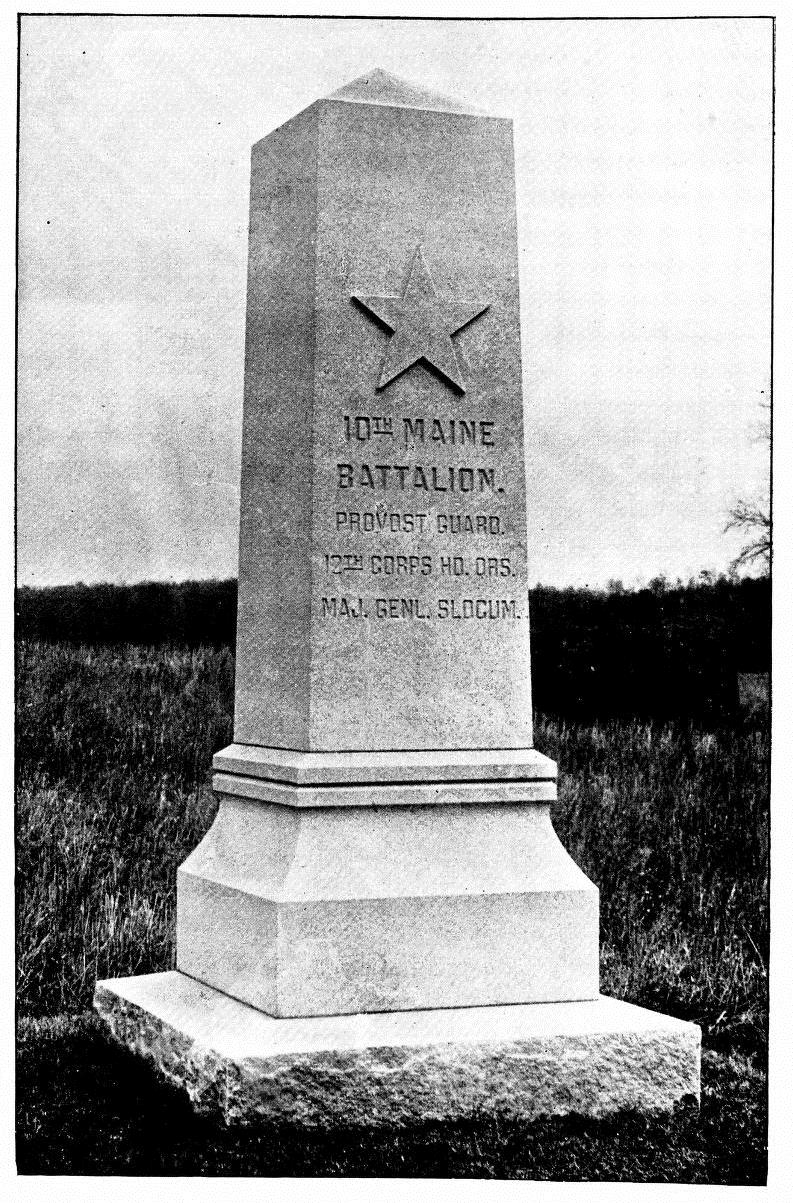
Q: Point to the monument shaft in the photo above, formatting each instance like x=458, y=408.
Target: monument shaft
x=383, y=592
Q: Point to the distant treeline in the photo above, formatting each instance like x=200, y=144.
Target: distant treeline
x=659, y=652
x=192, y=613
x=662, y=651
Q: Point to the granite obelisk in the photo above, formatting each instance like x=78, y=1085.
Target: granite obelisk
x=382, y=872
x=383, y=578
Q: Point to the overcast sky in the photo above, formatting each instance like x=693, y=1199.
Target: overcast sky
x=644, y=200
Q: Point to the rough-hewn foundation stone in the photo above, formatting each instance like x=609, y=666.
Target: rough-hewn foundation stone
x=546, y=1059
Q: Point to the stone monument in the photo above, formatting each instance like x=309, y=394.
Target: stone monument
x=382, y=923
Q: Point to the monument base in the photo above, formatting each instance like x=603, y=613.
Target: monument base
x=520, y=1061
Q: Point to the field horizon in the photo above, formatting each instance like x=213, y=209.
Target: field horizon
x=665, y=651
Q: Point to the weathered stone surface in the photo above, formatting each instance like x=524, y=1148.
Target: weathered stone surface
x=332, y=910
x=383, y=579
x=589, y=1058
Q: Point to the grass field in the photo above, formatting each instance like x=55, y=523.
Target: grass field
x=113, y=751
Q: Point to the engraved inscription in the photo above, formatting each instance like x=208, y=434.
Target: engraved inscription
x=398, y=522
x=477, y=607
x=343, y=607
x=430, y=478
x=381, y=520
x=400, y=537
x=390, y=608
x=448, y=432
x=453, y=432
x=361, y=428
x=395, y=564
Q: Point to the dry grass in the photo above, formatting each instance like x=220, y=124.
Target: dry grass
x=114, y=746
x=113, y=749
x=672, y=824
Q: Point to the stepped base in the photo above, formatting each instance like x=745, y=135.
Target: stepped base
x=522, y=1061
x=337, y=910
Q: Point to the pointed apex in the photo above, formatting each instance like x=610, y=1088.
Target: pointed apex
x=378, y=87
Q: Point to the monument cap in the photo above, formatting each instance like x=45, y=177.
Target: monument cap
x=380, y=87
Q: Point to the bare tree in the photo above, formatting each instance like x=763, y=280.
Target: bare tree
x=753, y=517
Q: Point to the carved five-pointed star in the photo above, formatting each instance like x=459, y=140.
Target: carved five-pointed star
x=423, y=324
